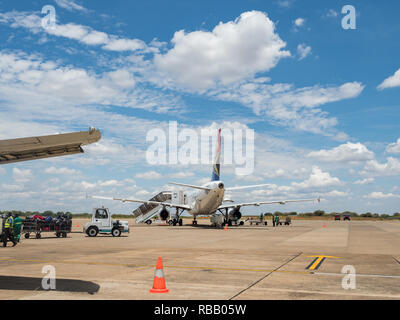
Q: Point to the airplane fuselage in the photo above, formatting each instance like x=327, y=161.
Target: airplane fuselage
x=206, y=202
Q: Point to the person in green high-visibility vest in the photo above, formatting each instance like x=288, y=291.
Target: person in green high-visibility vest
x=276, y=220
x=8, y=231
x=17, y=227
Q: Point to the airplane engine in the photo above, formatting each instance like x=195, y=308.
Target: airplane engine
x=235, y=214
x=164, y=214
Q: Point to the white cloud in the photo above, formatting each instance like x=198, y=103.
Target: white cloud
x=61, y=171
x=336, y=193
x=332, y=13
x=250, y=178
x=349, y=152
x=299, y=22
x=24, y=77
x=390, y=168
x=381, y=195
x=70, y=5
x=181, y=175
x=22, y=19
x=87, y=185
x=105, y=147
x=202, y=181
x=394, y=147
x=149, y=175
x=303, y=51
x=317, y=179
x=122, y=78
x=142, y=193
x=109, y=183
x=282, y=104
x=285, y=3
x=81, y=33
x=365, y=181
x=231, y=52
x=21, y=175
x=391, y=82
x=95, y=38
x=124, y=45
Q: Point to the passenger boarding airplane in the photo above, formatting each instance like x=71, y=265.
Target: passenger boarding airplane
x=207, y=199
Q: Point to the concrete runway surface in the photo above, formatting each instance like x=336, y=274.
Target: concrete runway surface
x=301, y=261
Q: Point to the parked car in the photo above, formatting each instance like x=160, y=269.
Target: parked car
x=337, y=217
x=346, y=217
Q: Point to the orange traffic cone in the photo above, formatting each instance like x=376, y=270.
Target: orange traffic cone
x=159, y=281
x=77, y=225
x=324, y=225
x=226, y=227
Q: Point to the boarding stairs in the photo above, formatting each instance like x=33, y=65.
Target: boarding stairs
x=148, y=210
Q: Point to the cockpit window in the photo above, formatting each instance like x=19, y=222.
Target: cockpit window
x=101, y=214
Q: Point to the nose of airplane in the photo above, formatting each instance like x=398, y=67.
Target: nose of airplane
x=221, y=185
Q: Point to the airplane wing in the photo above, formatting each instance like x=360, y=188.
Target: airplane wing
x=189, y=186
x=257, y=204
x=33, y=148
x=166, y=204
x=247, y=187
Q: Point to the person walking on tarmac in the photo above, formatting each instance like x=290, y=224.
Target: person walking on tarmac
x=17, y=227
x=277, y=220
x=273, y=220
x=8, y=231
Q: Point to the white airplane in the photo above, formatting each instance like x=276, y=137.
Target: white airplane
x=207, y=199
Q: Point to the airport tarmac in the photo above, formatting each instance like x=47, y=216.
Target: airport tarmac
x=301, y=261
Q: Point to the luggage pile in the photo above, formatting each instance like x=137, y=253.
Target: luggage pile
x=61, y=225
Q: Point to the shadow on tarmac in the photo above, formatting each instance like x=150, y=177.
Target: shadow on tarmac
x=35, y=284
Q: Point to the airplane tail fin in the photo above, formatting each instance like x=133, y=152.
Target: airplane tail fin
x=217, y=165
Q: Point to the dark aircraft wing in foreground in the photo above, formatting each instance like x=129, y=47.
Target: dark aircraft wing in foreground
x=17, y=150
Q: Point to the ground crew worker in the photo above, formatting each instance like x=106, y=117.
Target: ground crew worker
x=8, y=231
x=261, y=217
x=273, y=220
x=277, y=220
x=17, y=227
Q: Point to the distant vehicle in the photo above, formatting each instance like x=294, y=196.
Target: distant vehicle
x=256, y=221
x=102, y=223
x=217, y=220
x=346, y=217
x=287, y=222
x=337, y=217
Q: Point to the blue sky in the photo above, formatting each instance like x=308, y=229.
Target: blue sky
x=322, y=100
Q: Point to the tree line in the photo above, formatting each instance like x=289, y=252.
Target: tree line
x=322, y=213
x=317, y=213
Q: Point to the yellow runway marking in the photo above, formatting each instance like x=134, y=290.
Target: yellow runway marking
x=319, y=259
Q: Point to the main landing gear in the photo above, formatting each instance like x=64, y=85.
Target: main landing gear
x=177, y=219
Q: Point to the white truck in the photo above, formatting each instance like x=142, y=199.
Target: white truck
x=102, y=223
